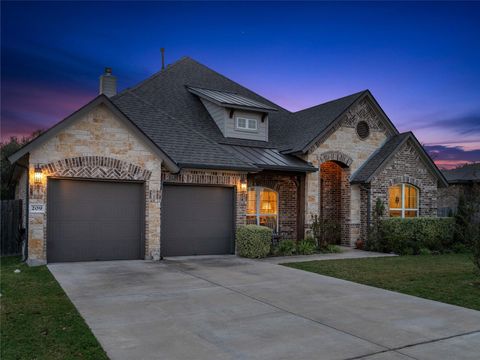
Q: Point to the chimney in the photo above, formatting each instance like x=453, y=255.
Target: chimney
x=162, y=50
x=108, y=83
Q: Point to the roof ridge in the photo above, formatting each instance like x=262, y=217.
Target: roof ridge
x=236, y=83
x=155, y=75
x=182, y=123
x=331, y=101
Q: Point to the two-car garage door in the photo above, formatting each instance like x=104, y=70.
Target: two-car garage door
x=104, y=220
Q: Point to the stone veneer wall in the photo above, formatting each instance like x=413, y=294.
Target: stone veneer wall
x=287, y=188
x=342, y=144
x=405, y=167
x=21, y=194
x=97, y=146
x=214, y=177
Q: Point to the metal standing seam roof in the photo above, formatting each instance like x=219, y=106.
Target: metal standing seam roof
x=269, y=159
x=229, y=99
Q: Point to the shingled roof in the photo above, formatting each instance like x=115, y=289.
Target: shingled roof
x=465, y=174
x=382, y=156
x=168, y=110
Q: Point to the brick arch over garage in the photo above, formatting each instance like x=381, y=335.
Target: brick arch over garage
x=96, y=167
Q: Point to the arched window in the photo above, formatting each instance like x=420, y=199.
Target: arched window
x=262, y=207
x=403, y=201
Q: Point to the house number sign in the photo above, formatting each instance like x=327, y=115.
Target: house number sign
x=37, y=208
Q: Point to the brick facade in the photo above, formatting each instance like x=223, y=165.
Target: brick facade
x=342, y=145
x=405, y=167
x=287, y=188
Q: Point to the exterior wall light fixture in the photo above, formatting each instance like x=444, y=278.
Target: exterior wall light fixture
x=38, y=175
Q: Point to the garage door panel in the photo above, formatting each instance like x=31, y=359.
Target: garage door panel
x=197, y=220
x=89, y=220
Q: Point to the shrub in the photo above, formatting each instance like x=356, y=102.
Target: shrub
x=286, y=247
x=306, y=247
x=253, y=241
x=331, y=249
x=424, y=251
x=476, y=248
x=408, y=236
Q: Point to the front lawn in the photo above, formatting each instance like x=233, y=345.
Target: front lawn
x=449, y=278
x=37, y=320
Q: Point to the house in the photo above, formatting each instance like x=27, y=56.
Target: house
x=462, y=181
x=174, y=164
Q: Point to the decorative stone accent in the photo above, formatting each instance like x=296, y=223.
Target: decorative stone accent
x=96, y=167
x=335, y=156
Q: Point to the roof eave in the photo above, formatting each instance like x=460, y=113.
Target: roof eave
x=364, y=93
x=100, y=99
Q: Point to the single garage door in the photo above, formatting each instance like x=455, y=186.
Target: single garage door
x=197, y=220
x=94, y=220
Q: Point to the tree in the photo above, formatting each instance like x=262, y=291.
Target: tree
x=7, y=148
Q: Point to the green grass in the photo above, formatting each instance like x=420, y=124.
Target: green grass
x=449, y=278
x=37, y=320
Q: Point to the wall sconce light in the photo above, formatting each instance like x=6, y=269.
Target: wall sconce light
x=38, y=175
x=243, y=186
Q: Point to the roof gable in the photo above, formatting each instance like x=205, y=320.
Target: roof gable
x=383, y=155
x=315, y=123
x=69, y=120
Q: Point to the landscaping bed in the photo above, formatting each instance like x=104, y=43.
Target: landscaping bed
x=449, y=278
x=38, y=321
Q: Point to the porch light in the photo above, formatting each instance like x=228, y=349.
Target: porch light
x=243, y=186
x=38, y=175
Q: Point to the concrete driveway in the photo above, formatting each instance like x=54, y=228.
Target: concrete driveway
x=232, y=308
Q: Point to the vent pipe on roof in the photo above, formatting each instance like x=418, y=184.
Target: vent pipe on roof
x=162, y=50
x=108, y=83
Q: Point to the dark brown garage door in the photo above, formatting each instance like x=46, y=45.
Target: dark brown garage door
x=94, y=220
x=197, y=220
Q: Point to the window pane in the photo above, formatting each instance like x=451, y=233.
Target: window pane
x=268, y=202
x=269, y=221
x=252, y=124
x=242, y=123
x=411, y=213
x=395, y=197
x=251, y=220
x=410, y=197
x=251, y=201
x=395, y=213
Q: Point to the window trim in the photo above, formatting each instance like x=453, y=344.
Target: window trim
x=247, y=121
x=257, y=215
x=402, y=209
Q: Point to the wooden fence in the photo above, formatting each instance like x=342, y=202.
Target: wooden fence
x=10, y=228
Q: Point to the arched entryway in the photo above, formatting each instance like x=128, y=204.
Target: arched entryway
x=335, y=201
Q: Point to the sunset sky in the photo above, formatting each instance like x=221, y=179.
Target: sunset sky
x=420, y=60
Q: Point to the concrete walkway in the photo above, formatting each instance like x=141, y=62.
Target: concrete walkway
x=347, y=253
x=232, y=308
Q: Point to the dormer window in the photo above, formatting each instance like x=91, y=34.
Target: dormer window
x=242, y=123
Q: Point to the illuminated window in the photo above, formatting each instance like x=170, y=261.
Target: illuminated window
x=262, y=207
x=403, y=201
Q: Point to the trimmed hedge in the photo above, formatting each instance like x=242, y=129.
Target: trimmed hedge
x=253, y=241
x=413, y=235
